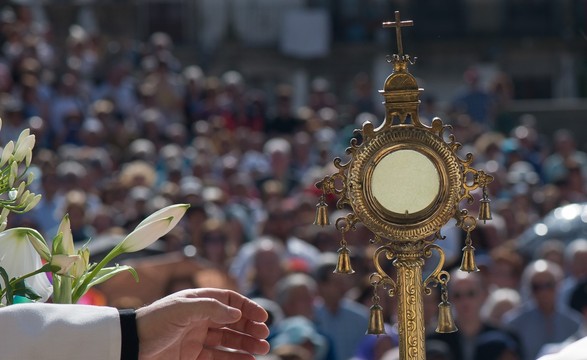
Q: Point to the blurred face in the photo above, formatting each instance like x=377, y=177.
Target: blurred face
x=268, y=268
x=301, y=302
x=502, y=274
x=467, y=297
x=543, y=288
x=579, y=265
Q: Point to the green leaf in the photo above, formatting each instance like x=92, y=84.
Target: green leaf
x=102, y=275
x=109, y=272
x=56, y=248
x=21, y=289
x=9, y=295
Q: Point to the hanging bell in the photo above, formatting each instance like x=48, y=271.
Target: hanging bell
x=468, y=263
x=321, y=214
x=376, y=326
x=446, y=323
x=343, y=265
x=484, y=210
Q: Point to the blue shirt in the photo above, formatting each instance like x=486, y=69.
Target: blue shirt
x=346, y=328
x=535, y=329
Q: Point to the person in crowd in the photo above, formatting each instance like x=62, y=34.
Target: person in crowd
x=468, y=293
x=343, y=320
x=577, y=302
x=565, y=152
x=540, y=320
x=499, y=302
x=576, y=265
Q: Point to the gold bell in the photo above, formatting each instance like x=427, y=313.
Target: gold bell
x=468, y=263
x=343, y=265
x=376, y=326
x=484, y=210
x=446, y=323
x=321, y=214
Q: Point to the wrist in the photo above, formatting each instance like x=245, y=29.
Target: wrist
x=129, y=336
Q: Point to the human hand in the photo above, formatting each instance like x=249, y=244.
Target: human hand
x=202, y=324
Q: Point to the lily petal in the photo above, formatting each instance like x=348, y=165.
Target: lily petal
x=24, y=145
x=67, y=241
x=65, y=262
x=145, y=235
x=176, y=211
x=7, y=152
x=39, y=243
x=19, y=257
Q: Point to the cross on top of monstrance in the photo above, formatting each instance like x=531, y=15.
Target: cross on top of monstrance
x=398, y=24
x=404, y=181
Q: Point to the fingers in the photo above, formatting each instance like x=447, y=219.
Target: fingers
x=223, y=348
x=234, y=340
x=250, y=309
x=222, y=354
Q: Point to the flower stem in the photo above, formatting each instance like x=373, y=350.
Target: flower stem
x=43, y=269
x=81, y=289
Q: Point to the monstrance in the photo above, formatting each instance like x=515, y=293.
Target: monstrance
x=404, y=181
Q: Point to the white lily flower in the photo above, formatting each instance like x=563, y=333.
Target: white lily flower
x=12, y=194
x=30, y=177
x=38, y=242
x=67, y=246
x=23, y=134
x=26, y=196
x=176, y=211
x=145, y=235
x=64, y=262
x=24, y=145
x=19, y=257
x=7, y=152
x=36, y=199
x=21, y=188
x=29, y=158
x=81, y=264
x=4, y=214
x=13, y=173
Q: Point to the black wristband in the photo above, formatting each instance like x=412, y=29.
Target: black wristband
x=130, y=338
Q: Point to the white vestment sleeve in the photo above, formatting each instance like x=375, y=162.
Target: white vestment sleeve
x=58, y=332
x=573, y=351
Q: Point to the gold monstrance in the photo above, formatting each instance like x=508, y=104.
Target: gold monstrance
x=404, y=181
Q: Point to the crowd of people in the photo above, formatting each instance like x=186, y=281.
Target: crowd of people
x=121, y=134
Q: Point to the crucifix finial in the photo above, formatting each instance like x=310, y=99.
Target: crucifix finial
x=398, y=24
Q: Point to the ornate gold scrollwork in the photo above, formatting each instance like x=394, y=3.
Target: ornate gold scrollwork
x=380, y=277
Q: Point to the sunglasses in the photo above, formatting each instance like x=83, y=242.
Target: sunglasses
x=536, y=287
x=469, y=294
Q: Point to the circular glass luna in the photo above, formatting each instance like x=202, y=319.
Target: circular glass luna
x=405, y=182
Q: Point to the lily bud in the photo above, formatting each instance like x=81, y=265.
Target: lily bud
x=176, y=211
x=13, y=174
x=64, y=262
x=67, y=246
x=7, y=152
x=24, y=146
x=39, y=243
x=80, y=266
x=35, y=200
x=145, y=235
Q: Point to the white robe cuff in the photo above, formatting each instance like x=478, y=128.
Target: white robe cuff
x=57, y=332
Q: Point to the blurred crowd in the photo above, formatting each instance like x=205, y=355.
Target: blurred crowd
x=121, y=134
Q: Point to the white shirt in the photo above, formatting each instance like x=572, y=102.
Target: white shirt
x=57, y=332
